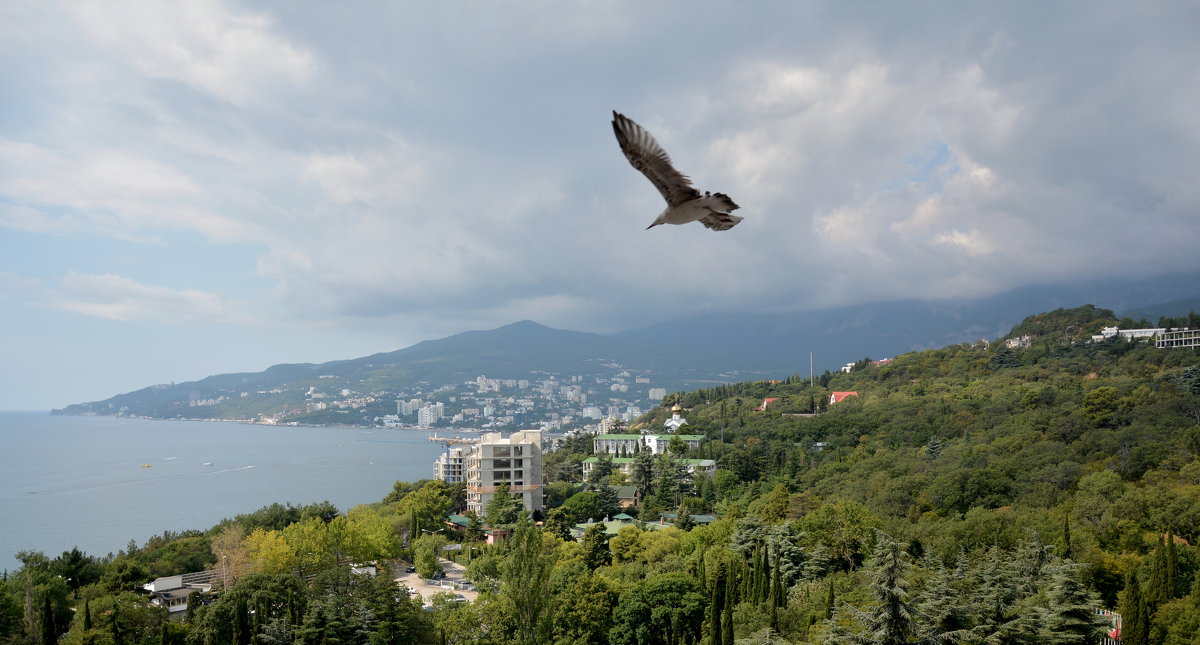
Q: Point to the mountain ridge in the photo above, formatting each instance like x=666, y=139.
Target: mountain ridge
x=718, y=347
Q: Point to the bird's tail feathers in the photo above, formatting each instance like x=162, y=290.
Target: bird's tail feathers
x=727, y=202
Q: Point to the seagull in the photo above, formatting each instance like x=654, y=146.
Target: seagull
x=684, y=203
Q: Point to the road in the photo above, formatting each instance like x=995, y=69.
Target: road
x=454, y=574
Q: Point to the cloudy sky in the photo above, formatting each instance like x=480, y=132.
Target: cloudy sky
x=188, y=188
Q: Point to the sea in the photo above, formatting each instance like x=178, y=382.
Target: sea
x=98, y=482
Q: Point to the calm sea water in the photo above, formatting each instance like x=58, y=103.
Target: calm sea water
x=79, y=481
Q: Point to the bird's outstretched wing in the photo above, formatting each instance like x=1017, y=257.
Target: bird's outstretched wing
x=644, y=153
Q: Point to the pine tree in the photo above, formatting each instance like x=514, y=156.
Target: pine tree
x=939, y=609
x=892, y=621
x=1071, y=619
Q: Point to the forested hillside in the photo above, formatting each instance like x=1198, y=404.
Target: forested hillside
x=972, y=494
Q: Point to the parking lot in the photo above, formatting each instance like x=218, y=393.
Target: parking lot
x=454, y=577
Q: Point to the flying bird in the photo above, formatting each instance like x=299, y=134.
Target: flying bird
x=684, y=203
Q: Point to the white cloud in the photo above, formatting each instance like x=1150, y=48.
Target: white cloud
x=234, y=55
x=119, y=298
x=104, y=190
x=467, y=168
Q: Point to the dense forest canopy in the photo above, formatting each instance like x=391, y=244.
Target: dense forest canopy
x=988, y=493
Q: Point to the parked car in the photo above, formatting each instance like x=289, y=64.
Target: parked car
x=410, y=569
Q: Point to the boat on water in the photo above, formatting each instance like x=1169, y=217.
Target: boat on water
x=147, y=466
x=207, y=463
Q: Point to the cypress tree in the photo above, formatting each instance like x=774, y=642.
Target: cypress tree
x=1156, y=592
x=829, y=601
x=164, y=636
x=1135, y=628
x=193, y=606
x=716, y=606
x=87, y=615
x=1066, y=535
x=49, y=634
x=1172, y=566
x=293, y=616
x=778, y=592
x=241, y=625
x=764, y=578
x=727, y=626
x=114, y=626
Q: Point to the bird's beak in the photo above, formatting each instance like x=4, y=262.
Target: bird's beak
x=652, y=226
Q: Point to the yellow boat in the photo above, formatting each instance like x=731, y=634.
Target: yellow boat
x=147, y=466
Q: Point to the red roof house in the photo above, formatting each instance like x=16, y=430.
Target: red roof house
x=839, y=396
x=765, y=403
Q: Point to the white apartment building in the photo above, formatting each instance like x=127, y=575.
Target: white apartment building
x=655, y=444
x=625, y=464
x=657, y=393
x=450, y=467
x=430, y=414
x=515, y=460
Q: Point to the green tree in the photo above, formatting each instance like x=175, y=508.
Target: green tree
x=663, y=609
x=474, y=532
x=716, y=605
x=844, y=528
x=502, y=508
x=1135, y=615
x=559, y=523
x=398, y=620
x=426, y=551
x=582, y=506
x=585, y=607
x=891, y=622
x=525, y=582
x=595, y=547
x=601, y=471
x=427, y=506
x=643, y=473
x=1071, y=618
